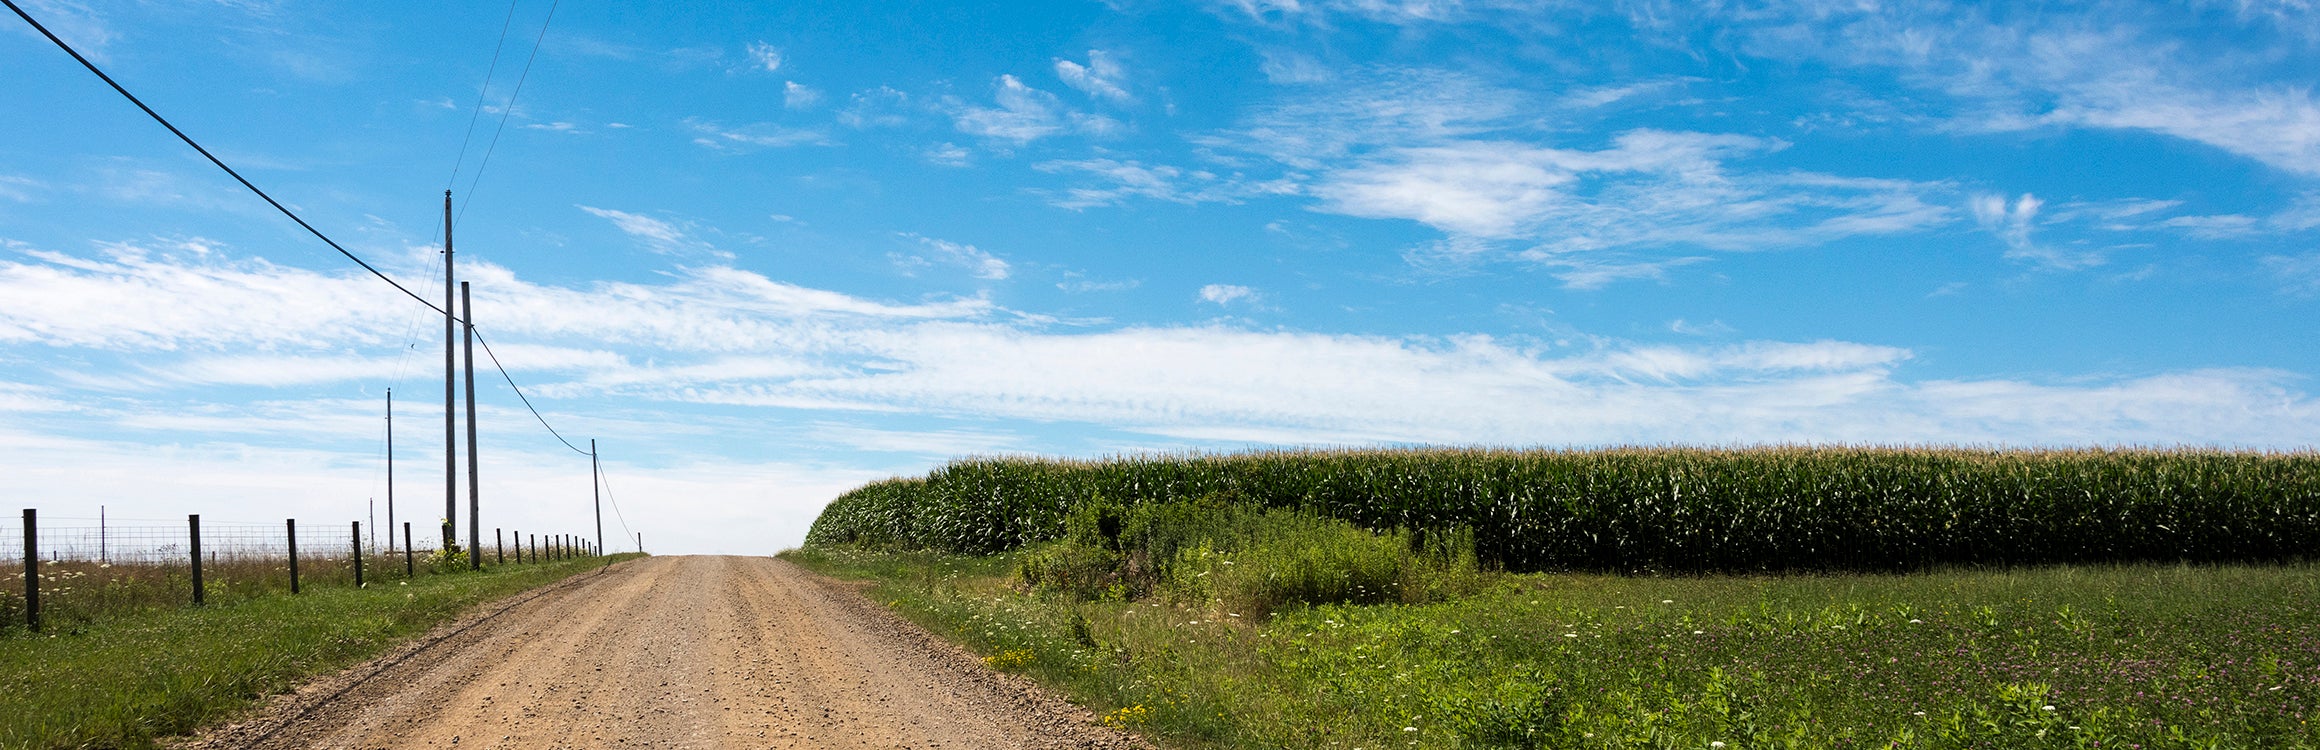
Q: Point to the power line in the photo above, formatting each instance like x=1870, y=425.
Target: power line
x=507, y=110
x=479, y=95
x=615, y=502
x=293, y=214
x=76, y=55
x=511, y=381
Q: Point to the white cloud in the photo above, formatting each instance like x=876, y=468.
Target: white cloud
x=881, y=107
x=796, y=95
x=1075, y=282
x=1025, y=114
x=1467, y=159
x=1226, y=294
x=1100, y=78
x=2099, y=68
x=765, y=56
x=754, y=136
x=77, y=24
x=948, y=154
x=1133, y=179
x=659, y=236
x=981, y=264
x=2012, y=223
x=2297, y=274
x=19, y=189
x=1288, y=68
x=559, y=127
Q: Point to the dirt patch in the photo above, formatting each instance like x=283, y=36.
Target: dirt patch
x=675, y=652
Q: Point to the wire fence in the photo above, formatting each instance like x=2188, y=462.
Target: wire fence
x=81, y=570
x=157, y=544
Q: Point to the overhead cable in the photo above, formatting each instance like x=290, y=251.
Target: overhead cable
x=510, y=108
x=615, y=502
x=479, y=96
x=76, y=55
x=511, y=381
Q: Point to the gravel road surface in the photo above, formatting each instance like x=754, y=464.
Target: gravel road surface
x=675, y=652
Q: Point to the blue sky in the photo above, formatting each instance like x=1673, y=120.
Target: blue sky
x=766, y=253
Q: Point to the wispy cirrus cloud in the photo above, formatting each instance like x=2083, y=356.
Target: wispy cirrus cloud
x=2013, y=221
x=932, y=252
x=754, y=136
x=1470, y=160
x=1123, y=180
x=796, y=95
x=2107, y=67
x=1102, y=77
x=657, y=235
x=1224, y=295
x=1023, y=114
x=20, y=189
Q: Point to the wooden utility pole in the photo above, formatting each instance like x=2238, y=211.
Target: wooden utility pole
x=390, y=472
x=474, y=489
x=595, y=490
x=450, y=390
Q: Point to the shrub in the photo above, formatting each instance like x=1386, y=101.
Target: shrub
x=1079, y=570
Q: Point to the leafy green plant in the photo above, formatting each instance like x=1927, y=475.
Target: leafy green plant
x=1521, y=713
x=450, y=559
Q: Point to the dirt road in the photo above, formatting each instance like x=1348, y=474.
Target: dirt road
x=676, y=652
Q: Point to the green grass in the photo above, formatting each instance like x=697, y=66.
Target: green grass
x=2127, y=656
x=144, y=673
x=1665, y=509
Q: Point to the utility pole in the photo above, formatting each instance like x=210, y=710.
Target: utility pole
x=450, y=388
x=474, y=490
x=390, y=476
x=595, y=490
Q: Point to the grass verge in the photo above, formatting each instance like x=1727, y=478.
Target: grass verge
x=2132, y=656
x=129, y=681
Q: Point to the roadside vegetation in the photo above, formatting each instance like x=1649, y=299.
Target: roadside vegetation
x=145, y=670
x=1237, y=619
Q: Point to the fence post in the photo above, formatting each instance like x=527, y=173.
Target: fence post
x=535, y=548
x=293, y=526
x=358, y=552
x=498, y=548
x=407, y=571
x=31, y=569
x=193, y=527
x=640, y=542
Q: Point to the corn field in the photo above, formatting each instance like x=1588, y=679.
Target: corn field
x=1666, y=509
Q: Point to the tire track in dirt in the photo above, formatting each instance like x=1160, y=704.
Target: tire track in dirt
x=676, y=652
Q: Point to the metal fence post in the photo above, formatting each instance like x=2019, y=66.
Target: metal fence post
x=407, y=570
x=293, y=527
x=535, y=548
x=498, y=548
x=31, y=570
x=358, y=552
x=193, y=528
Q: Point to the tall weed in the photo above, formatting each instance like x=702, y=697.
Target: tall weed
x=1246, y=559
